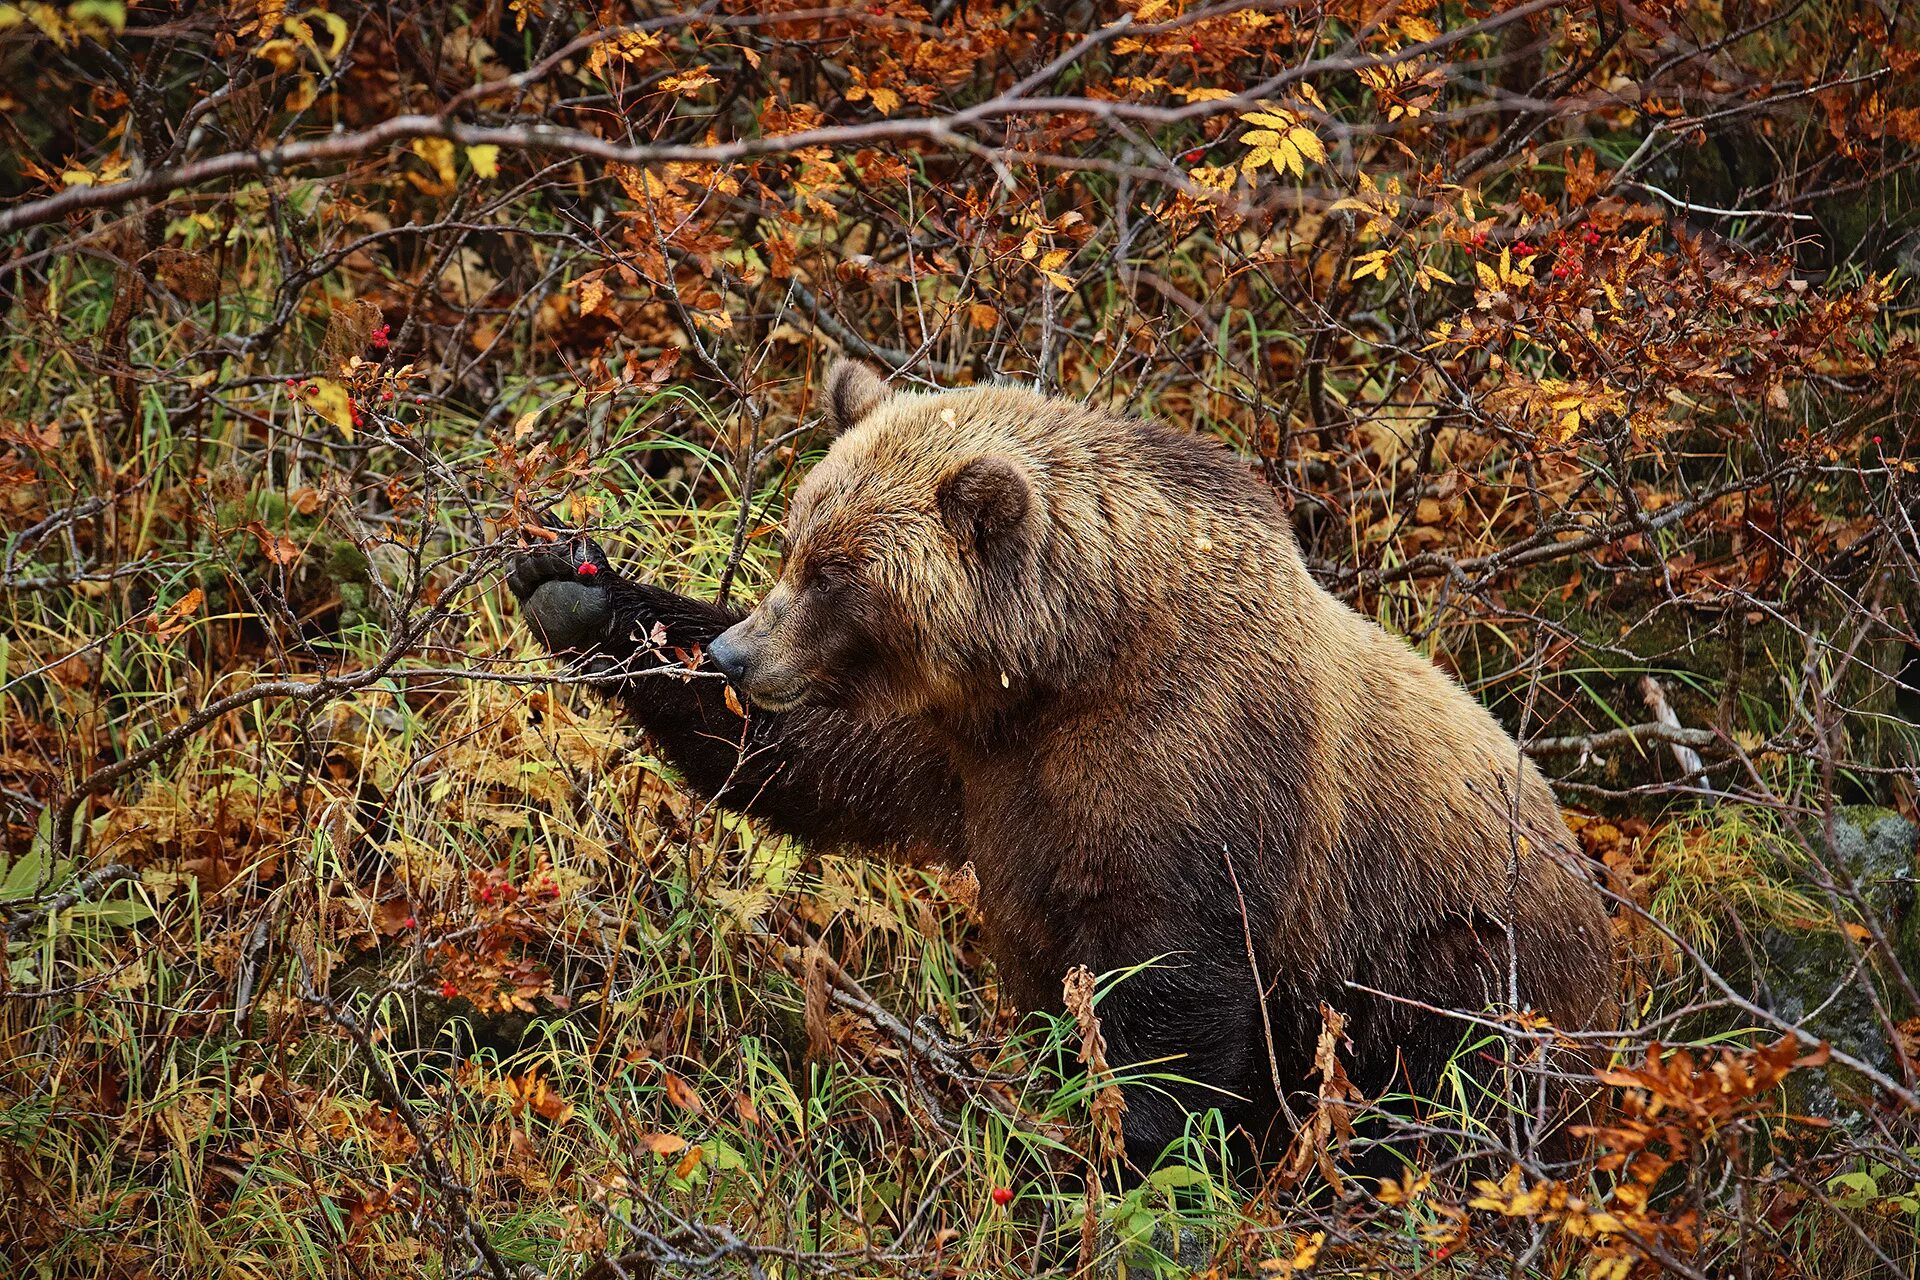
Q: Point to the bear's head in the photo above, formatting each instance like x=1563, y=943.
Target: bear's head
x=912, y=548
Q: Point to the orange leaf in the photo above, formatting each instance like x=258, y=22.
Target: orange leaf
x=663, y=1144
x=165, y=626
x=276, y=547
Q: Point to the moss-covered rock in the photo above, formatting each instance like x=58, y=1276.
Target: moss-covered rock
x=1809, y=975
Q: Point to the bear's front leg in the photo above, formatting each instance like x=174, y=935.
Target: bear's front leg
x=813, y=772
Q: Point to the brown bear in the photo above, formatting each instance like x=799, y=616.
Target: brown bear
x=1083, y=653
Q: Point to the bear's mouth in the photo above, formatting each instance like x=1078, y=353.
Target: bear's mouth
x=778, y=697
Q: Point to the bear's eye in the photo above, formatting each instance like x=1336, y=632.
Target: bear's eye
x=833, y=578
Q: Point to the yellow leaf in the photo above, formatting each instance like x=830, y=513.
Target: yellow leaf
x=1309, y=1251
x=305, y=92
x=437, y=152
x=330, y=400
x=1309, y=145
x=690, y=82
x=485, y=159
x=1288, y=157
x=1372, y=264
x=1260, y=138
x=1485, y=273
x=283, y=54
x=336, y=29
x=1278, y=119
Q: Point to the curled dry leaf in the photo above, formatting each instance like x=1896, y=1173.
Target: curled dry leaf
x=1108, y=1104
x=819, y=1003
x=1329, y=1129
x=177, y=617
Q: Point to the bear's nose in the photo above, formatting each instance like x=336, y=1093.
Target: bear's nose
x=728, y=653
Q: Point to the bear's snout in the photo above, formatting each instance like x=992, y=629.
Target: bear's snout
x=749, y=656
x=729, y=651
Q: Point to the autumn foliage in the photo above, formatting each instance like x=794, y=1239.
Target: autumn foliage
x=345, y=935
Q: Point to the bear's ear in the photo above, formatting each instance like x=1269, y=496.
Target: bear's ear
x=985, y=501
x=854, y=390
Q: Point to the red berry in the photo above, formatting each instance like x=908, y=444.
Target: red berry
x=448, y=989
x=1876, y=439
x=1560, y=270
x=410, y=923
x=1193, y=156
x=1003, y=1196
x=588, y=570
x=381, y=336
x=1522, y=248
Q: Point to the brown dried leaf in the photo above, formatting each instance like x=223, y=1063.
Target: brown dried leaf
x=1108, y=1105
x=278, y=548
x=819, y=1005
x=682, y=1095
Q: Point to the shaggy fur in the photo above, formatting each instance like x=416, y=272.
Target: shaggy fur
x=1084, y=654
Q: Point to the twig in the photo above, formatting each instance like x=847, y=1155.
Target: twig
x=82, y=888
